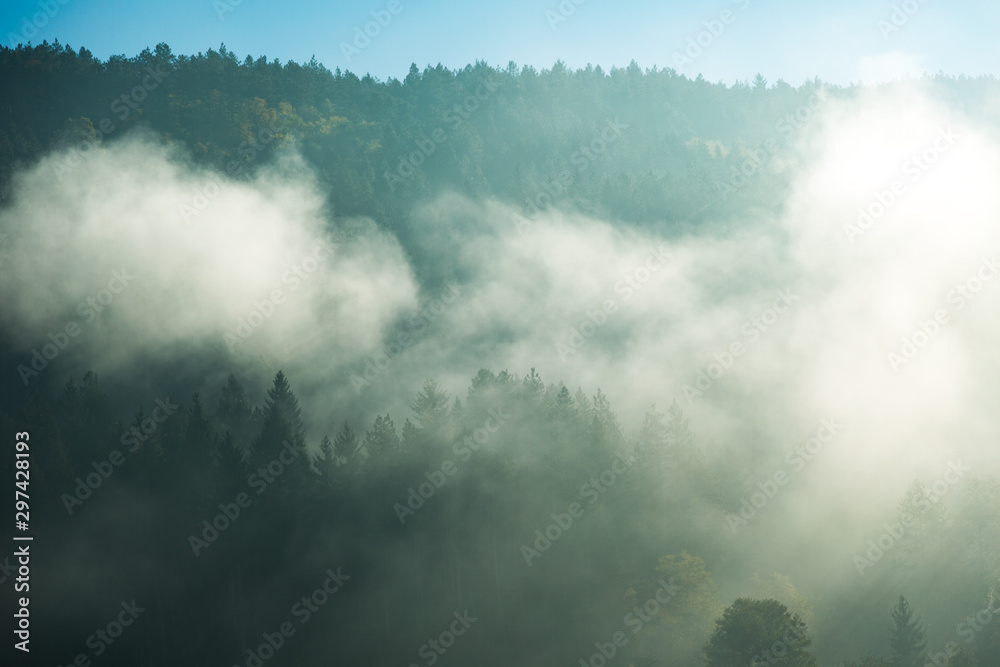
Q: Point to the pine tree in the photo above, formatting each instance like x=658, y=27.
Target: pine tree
x=533, y=387
x=654, y=443
x=230, y=465
x=584, y=408
x=680, y=436
x=906, y=637
x=605, y=423
x=345, y=446
x=430, y=406
x=234, y=411
x=480, y=394
x=432, y=425
x=326, y=461
x=564, y=410
x=198, y=443
x=411, y=435
x=282, y=429
x=381, y=442
x=457, y=411
x=929, y=516
x=85, y=410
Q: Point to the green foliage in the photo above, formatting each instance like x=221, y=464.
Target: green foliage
x=282, y=427
x=906, y=636
x=757, y=633
x=381, y=442
x=678, y=633
x=345, y=445
x=779, y=587
x=356, y=133
x=344, y=493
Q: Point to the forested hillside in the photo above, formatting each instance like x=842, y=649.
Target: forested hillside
x=519, y=504
x=732, y=391
x=511, y=132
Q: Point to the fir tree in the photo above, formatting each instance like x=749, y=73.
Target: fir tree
x=906, y=637
x=381, y=442
x=345, y=446
x=282, y=430
x=234, y=411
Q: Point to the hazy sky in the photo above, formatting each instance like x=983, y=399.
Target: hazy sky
x=846, y=41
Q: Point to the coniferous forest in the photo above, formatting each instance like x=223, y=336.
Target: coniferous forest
x=495, y=365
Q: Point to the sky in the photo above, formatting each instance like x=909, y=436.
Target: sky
x=726, y=40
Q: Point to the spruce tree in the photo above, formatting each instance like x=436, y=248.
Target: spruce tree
x=345, y=446
x=381, y=442
x=906, y=637
x=282, y=429
x=234, y=411
x=654, y=443
x=326, y=461
x=430, y=406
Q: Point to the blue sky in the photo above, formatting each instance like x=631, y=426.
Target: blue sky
x=839, y=41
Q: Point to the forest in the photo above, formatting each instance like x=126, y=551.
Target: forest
x=419, y=371
x=204, y=521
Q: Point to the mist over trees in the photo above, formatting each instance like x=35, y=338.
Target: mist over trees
x=379, y=147
x=250, y=516
x=493, y=531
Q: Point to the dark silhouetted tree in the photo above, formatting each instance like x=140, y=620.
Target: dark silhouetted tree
x=759, y=632
x=381, y=442
x=430, y=406
x=282, y=429
x=234, y=411
x=345, y=447
x=906, y=637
